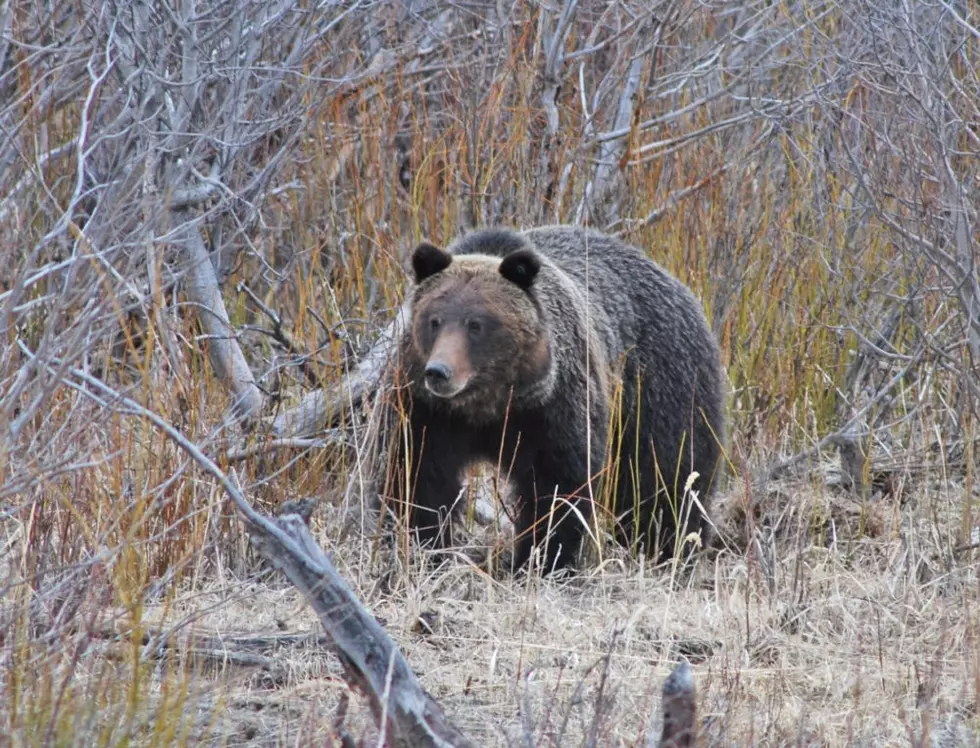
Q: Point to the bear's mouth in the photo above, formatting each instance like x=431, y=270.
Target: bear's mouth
x=444, y=389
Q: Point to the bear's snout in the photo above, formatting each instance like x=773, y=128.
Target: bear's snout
x=437, y=376
x=448, y=371
x=443, y=380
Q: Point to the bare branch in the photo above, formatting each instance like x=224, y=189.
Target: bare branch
x=223, y=349
x=608, y=169
x=317, y=408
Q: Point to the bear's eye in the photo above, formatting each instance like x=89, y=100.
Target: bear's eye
x=434, y=323
x=474, y=326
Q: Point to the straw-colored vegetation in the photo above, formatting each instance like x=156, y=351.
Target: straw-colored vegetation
x=810, y=169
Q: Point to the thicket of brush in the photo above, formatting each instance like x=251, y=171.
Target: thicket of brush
x=810, y=169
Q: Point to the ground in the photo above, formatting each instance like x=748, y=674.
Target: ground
x=840, y=623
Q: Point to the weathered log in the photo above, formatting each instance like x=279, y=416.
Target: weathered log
x=680, y=709
x=371, y=661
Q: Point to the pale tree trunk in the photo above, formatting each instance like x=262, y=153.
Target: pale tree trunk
x=204, y=294
x=601, y=201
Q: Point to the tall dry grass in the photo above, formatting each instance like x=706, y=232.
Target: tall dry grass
x=807, y=168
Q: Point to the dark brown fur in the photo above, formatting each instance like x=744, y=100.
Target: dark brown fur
x=519, y=343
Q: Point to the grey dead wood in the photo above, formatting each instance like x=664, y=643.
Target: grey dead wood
x=315, y=410
x=600, y=198
x=369, y=657
x=845, y=435
x=551, y=81
x=679, y=709
x=240, y=650
x=225, y=353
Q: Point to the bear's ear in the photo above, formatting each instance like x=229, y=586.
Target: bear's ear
x=427, y=260
x=521, y=267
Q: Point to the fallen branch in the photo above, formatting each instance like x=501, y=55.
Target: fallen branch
x=317, y=409
x=201, y=657
x=371, y=661
x=405, y=713
x=256, y=644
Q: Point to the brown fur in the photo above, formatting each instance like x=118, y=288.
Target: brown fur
x=516, y=345
x=473, y=284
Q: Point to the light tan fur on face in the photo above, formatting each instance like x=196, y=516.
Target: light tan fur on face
x=475, y=280
x=450, y=349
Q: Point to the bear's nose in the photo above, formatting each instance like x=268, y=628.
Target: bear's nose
x=437, y=375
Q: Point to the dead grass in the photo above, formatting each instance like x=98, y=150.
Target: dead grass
x=132, y=610
x=825, y=623
x=814, y=634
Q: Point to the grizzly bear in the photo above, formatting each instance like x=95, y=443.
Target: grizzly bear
x=570, y=361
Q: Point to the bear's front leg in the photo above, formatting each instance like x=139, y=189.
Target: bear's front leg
x=546, y=494
x=434, y=489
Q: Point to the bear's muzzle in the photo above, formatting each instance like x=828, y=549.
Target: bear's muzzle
x=438, y=377
x=439, y=380
x=447, y=372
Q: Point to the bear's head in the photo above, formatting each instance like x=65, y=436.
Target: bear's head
x=478, y=339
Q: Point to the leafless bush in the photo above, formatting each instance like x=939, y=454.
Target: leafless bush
x=205, y=206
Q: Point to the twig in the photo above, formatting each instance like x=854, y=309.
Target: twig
x=312, y=414
x=674, y=198
x=784, y=465
x=334, y=438
x=281, y=337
